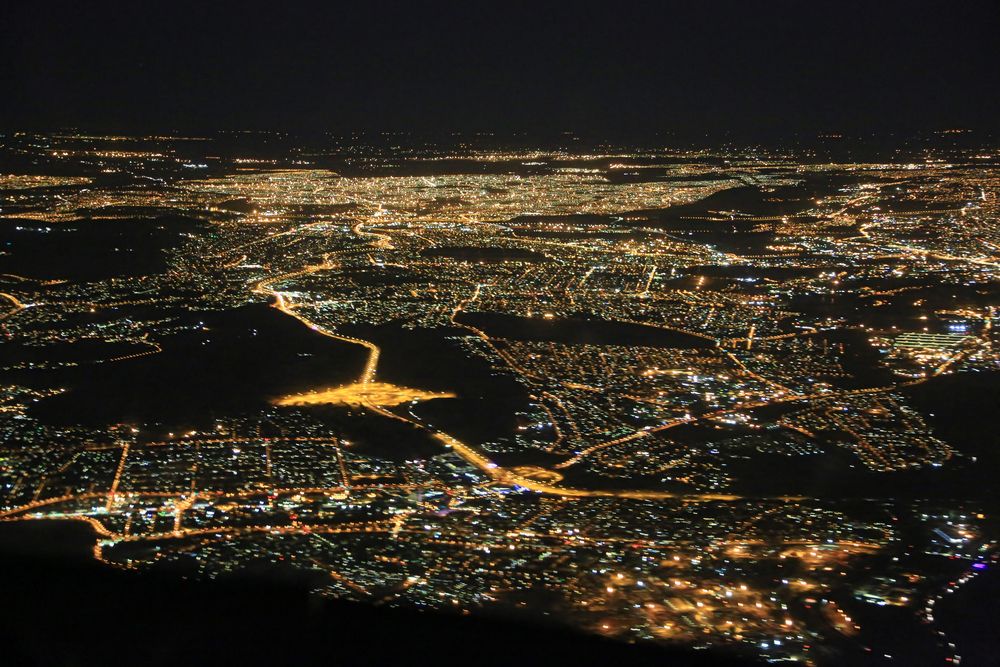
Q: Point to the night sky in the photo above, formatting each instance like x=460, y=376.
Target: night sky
x=753, y=69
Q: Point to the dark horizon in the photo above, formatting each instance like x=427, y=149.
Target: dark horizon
x=753, y=73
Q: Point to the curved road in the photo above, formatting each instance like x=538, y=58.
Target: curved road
x=467, y=452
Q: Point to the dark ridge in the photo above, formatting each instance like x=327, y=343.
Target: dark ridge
x=571, y=219
x=201, y=374
x=647, y=175
x=746, y=199
x=579, y=331
x=237, y=206
x=90, y=249
x=485, y=254
x=81, y=352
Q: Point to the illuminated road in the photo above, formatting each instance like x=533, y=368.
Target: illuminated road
x=382, y=240
x=18, y=306
x=466, y=452
x=284, y=303
x=628, y=438
x=506, y=476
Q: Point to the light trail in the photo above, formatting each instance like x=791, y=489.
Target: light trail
x=113, y=490
x=18, y=305
x=284, y=303
x=649, y=281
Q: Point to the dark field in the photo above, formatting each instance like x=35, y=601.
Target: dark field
x=486, y=402
x=169, y=621
x=579, y=331
x=237, y=363
x=90, y=249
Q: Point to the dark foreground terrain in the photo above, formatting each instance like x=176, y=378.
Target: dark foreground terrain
x=61, y=609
